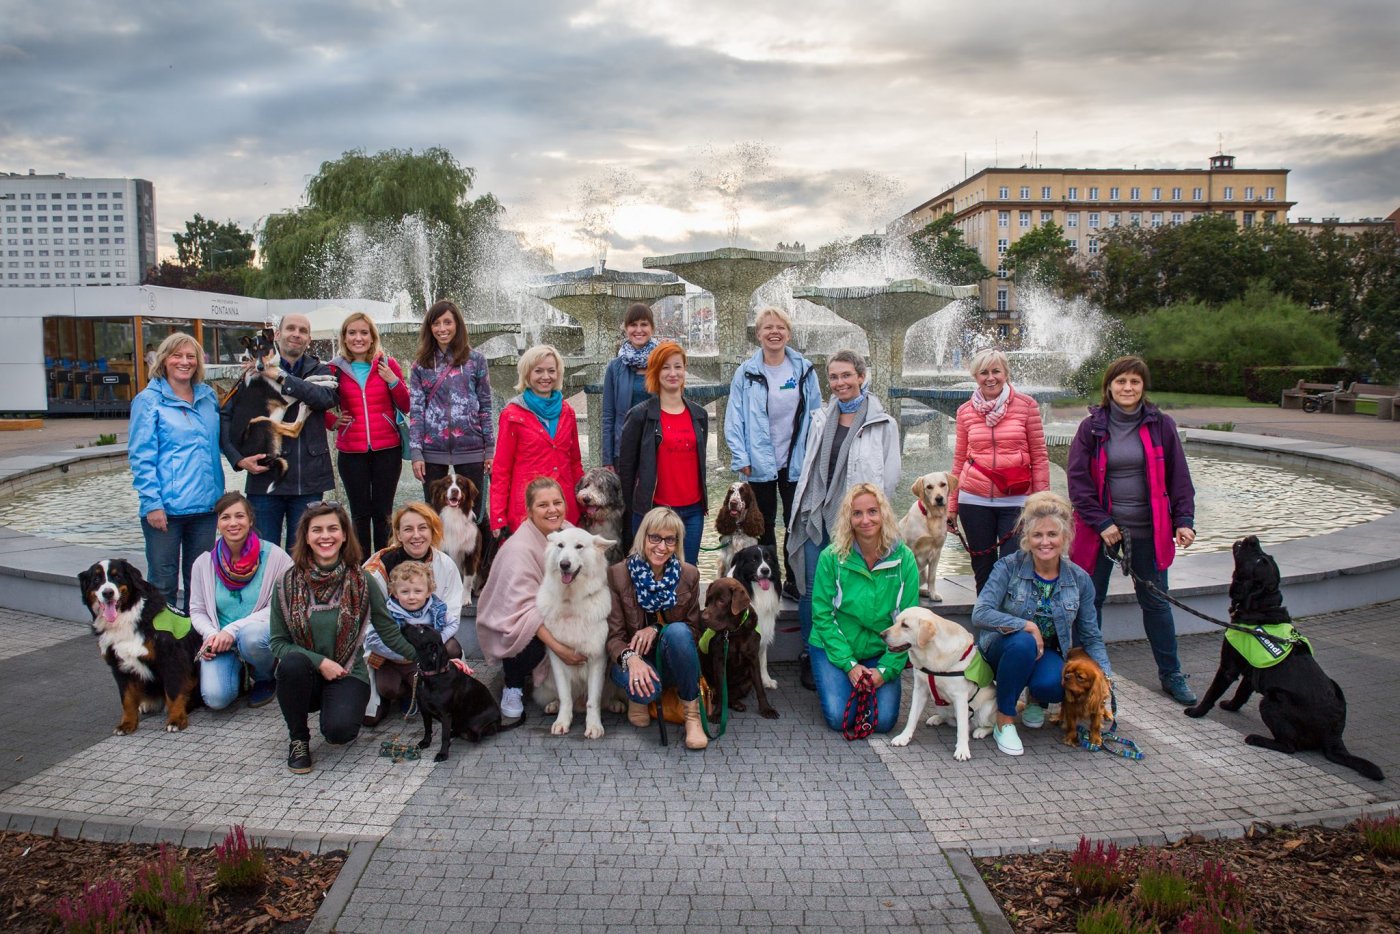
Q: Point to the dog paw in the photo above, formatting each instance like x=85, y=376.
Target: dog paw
x=593, y=731
x=149, y=706
x=425, y=743
x=175, y=727
x=738, y=705
x=552, y=707
x=982, y=732
x=1229, y=705
x=935, y=720
x=768, y=714
x=617, y=705
x=770, y=684
x=936, y=597
x=123, y=729
x=560, y=727
x=923, y=590
x=440, y=757
x=1198, y=711
x=962, y=753
x=900, y=740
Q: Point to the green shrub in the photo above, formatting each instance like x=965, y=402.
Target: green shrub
x=1219, y=426
x=1266, y=383
x=1195, y=376
x=105, y=439
x=242, y=865
x=1382, y=836
x=1115, y=918
x=1163, y=890
x=166, y=892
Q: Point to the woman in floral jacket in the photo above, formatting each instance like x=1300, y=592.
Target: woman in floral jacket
x=450, y=402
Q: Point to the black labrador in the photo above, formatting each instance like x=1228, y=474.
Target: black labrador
x=728, y=611
x=463, y=704
x=1300, y=705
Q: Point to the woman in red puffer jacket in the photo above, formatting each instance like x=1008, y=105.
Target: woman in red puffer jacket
x=369, y=454
x=999, y=459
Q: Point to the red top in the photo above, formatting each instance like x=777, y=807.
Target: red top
x=677, y=462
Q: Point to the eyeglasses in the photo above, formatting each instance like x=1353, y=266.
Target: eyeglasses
x=669, y=540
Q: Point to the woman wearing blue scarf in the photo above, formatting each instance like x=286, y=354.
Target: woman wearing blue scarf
x=654, y=623
x=537, y=437
x=624, y=383
x=850, y=440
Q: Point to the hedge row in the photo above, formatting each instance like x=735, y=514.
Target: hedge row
x=1256, y=383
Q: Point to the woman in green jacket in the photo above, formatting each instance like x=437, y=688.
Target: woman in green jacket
x=864, y=578
x=319, y=609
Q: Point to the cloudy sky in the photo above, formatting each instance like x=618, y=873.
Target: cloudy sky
x=862, y=109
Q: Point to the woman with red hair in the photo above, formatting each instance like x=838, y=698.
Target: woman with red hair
x=661, y=457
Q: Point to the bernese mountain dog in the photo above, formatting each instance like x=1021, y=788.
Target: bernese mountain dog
x=150, y=648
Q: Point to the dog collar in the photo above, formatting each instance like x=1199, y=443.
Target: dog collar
x=922, y=508
x=704, y=644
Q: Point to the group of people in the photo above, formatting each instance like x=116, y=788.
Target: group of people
x=277, y=579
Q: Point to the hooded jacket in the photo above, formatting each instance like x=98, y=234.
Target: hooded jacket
x=1018, y=440
x=1169, y=490
x=524, y=451
x=747, y=430
x=173, y=448
x=852, y=604
x=371, y=407
x=309, y=454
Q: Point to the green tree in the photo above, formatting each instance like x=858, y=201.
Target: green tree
x=1368, y=312
x=1124, y=278
x=372, y=189
x=943, y=255
x=207, y=244
x=1044, y=257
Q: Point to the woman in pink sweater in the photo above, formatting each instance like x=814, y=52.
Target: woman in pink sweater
x=999, y=459
x=369, y=454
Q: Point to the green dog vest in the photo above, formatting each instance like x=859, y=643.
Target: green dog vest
x=978, y=672
x=167, y=620
x=1267, y=645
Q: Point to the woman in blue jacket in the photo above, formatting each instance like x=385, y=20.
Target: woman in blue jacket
x=771, y=399
x=624, y=383
x=173, y=447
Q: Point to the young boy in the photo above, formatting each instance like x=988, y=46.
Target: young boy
x=411, y=603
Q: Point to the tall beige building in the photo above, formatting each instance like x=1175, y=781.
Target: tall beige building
x=997, y=206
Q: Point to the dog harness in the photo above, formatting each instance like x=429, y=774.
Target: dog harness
x=167, y=620
x=977, y=671
x=1266, y=644
x=704, y=644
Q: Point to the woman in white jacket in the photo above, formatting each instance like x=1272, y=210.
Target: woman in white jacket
x=231, y=606
x=850, y=440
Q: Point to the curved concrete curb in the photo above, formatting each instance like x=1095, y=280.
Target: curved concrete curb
x=333, y=905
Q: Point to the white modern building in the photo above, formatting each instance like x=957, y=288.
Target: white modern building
x=58, y=231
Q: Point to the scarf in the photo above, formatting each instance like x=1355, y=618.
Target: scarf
x=991, y=409
x=432, y=613
x=654, y=594
x=831, y=489
x=304, y=592
x=846, y=408
x=545, y=408
x=235, y=573
x=636, y=357
x=389, y=558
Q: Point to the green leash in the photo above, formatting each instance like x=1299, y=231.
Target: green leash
x=723, y=697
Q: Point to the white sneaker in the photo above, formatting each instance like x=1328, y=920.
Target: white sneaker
x=512, y=703
x=1008, y=741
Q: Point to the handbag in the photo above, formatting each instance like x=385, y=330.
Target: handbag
x=1011, y=481
x=401, y=423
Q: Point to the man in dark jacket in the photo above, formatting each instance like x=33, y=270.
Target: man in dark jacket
x=308, y=455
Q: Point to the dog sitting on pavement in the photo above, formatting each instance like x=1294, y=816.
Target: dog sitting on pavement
x=728, y=620
x=574, y=601
x=459, y=702
x=1087, y=698
x=949, y=671
x=756, y=567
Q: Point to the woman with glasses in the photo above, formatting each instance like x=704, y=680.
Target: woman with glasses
x=655, y=618
x=661, y=457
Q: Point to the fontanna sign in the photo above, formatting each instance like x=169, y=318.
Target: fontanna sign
x=217, y=310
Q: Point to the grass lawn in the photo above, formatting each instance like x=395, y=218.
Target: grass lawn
x=1184, y=400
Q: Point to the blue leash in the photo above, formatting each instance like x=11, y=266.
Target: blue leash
x=1127, y=748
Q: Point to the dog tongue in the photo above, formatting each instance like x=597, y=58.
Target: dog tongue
x=109, y=612
x=765, y=584
x=567, y=576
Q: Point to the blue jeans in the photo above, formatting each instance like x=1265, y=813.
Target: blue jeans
x=1157, y=619
x=983, y=527
x=811, y=551
x=694, y=519
x=272, y=513
x=680, y=666
x=170, y=554
x=834, y=690
x=220, y=677
x=1017, y=668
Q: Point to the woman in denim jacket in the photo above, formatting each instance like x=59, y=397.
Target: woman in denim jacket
x=1035, y=607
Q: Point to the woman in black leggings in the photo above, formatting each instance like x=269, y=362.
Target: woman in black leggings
x=319, y=609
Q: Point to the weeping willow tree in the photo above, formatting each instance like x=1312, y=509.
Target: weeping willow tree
x=368, y=190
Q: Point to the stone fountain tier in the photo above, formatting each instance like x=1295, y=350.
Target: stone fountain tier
x=886, y=313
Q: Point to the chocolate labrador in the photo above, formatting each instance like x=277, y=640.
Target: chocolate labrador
x=729, y=616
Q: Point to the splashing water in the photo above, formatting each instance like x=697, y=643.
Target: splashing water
x=870, y=199
x=596, y=202
x=727, y=173
x=401, y=262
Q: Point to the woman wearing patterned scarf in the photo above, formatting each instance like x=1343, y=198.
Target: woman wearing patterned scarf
x=319, y=610
x=231, y=605
x=656, y=613
x=999, y=459
x=624, y=383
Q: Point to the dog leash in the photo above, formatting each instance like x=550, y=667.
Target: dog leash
x=978, y=553
x=1127, y=748
x=867, y=706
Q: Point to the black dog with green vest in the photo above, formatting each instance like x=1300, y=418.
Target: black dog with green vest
x=1301, y=706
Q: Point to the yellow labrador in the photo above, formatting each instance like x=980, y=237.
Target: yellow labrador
x=944, y=659
x=924, y=527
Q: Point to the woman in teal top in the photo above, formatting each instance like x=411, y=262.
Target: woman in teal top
x=864, y=578
x=319, y=610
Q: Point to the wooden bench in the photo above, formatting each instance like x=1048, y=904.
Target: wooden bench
x=1385, y=397
x=1293, y=398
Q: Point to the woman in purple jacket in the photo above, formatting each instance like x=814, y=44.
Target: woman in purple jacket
x=1128, y=475
x=450, y=417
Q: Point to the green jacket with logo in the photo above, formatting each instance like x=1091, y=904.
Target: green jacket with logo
x=852, y=604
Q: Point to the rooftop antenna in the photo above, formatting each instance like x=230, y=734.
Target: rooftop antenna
x=964, y=163
x=1035, y=151
x=996, y=151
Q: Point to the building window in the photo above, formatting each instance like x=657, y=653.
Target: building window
x=1134, y=194
x=1093, y=246
x=1047, y=217
x=1093, y=194
x=1196, y=194
x=1094, y=220
x=1156, y=218
x=1248, y=218
x=1025, y=218
x=1115, y=219
x=1025, y=192
x=1045, y=193
x=1001, y=272
x=1072, y=194
x=1135, y=219
x=1001, y=246
x=87, y=196
x=1002, y=302
x=1003, y=192
x=1072, y=219
x=1003, y=218
x=1268, y=218
x=1249, y=193
x=1176, y=218
x=1229, y=194
x=1113, y=194
x=1156, y=194
x=1176, y=194
x=1269, y=194
x=1074, y=244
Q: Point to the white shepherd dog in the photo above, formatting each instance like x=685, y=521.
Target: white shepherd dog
x=574, y=603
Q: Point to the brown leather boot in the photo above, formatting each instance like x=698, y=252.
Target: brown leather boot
x=695, y=737
x=637, y=714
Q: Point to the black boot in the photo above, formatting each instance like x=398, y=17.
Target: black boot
x=804, y=671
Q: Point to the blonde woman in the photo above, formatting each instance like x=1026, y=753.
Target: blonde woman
x=537, y=436
x=173, y=447
x=369, y=457
x=864, y=578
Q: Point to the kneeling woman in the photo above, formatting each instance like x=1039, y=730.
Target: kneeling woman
x=863, y=579
x=319, y=610
x=655, y=616
x=231, y=606
x=1035, y=607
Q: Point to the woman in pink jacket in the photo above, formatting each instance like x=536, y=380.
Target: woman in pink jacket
x=999, y=460
x=537, y=437
x=369, y=453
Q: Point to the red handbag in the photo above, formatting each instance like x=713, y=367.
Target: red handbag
x=1011, y=481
